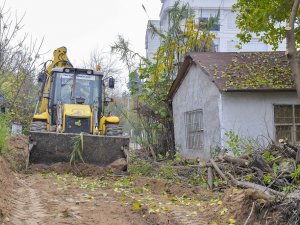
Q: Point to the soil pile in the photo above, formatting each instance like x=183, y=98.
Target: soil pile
x=16, y=152
x=80, y=169
x=7, y=182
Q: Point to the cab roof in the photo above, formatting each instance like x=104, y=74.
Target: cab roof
x=78, y=70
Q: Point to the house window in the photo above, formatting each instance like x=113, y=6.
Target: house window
x=216, y=48
x=204, y=22
x=287, y=122
x=194, y=129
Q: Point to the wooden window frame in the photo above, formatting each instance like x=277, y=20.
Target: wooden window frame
x=293, y=124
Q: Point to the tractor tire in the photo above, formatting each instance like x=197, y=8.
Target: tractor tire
x=38, y=126
x=113, y=130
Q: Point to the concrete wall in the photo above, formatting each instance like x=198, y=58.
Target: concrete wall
x=152, y=42
x=226, y=39
x=197, y=92
x=251, y=114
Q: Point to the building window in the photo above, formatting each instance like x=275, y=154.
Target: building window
x=204, y=22
x=216, y=48
x=194, y=129
x=287, y=122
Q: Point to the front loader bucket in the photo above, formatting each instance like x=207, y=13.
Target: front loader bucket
x=50, y=147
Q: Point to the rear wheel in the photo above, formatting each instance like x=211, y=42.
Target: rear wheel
x=113, y=130
x=38, y=126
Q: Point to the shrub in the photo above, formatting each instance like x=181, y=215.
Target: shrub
x=4, y=131
x=142, y=168
x=167, y=172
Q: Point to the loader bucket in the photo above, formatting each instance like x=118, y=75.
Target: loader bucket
x=50, y=147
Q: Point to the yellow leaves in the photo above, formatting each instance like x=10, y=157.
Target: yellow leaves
x=234, y=190
x=153, y=209
x=224, y=211
x=214, y=223
x=136, y=206
x=164, y=194
x=231, y=221
x=88, y=196
x=166, y=209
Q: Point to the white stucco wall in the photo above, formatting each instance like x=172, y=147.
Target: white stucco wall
x=197, y=92
x=251, y=114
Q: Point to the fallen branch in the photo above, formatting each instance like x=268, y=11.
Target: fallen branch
x=238, y=161
x=245, y=184
x=214, y=164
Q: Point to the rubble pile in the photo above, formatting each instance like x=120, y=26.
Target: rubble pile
x=273, y=172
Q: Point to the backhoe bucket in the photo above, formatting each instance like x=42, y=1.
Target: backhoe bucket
x=49, y=148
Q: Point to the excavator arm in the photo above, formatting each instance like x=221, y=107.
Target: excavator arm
x=60, y=59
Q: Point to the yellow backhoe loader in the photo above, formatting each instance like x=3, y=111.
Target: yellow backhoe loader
x=70, y=105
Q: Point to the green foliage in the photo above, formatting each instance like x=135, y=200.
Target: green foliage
x=288, y=189
x=217, y=182
x=141, y=167
x=4, y=131
x=215, y=151
x=296, y=175
x=267, y=156
x=275, y=168
x=265, y=19
x=238, y=145
x=167, y=172
x=77, y=149
x=177, y=158
x=198, y=179
x=234, y=142
x=267, y=178
x=249, y=177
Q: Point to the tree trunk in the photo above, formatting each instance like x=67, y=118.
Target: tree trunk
x=292, y=53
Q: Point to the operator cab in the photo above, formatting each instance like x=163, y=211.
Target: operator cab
x=76, y=86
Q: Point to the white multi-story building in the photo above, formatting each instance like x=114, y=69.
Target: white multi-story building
x=226, y=30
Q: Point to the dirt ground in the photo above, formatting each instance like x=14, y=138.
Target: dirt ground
x=51, y=198
x=54, y=195
x=87, y=194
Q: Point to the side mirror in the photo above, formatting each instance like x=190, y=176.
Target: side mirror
x=111, y=82
x=41, y=77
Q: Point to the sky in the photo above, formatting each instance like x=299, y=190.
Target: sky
x=84, y=25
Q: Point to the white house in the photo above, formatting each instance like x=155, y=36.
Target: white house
x=250, y=94
x=225, y=30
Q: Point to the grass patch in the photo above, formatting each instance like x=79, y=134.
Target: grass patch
x=4, y=132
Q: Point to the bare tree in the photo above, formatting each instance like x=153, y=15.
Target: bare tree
x=109, y=65
x=18, y=56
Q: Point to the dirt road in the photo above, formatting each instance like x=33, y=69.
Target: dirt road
x=51, y=198
x=43, y=200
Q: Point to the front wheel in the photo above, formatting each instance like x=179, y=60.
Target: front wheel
x=113, y=130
